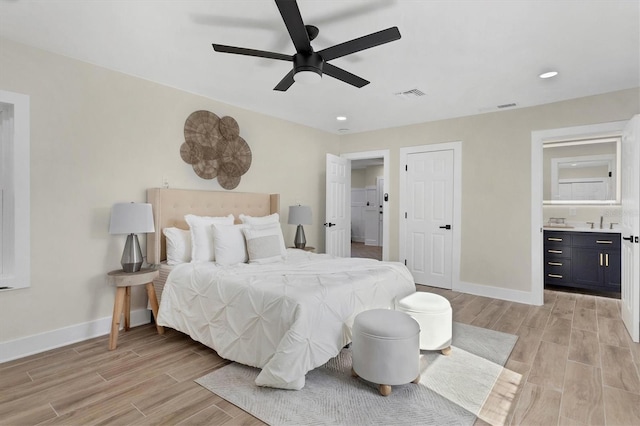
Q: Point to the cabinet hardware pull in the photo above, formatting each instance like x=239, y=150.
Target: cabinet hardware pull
x=604, y=242
x=554, y=275
x=554, y=263
x=606, y=260
x=554, y=239
x=600, y=259
x=555, y=251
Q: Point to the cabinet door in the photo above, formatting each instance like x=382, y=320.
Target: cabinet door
x=612, y=270
x=585, y=266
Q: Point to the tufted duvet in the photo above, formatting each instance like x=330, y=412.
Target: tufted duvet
x=286, y=318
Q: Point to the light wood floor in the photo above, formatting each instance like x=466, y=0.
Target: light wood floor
x=370, y=252
x=578, y=363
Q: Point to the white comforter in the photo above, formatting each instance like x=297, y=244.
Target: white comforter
x=286, y=318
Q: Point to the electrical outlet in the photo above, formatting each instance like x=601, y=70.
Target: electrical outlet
x=165, y=182
x=572, y=211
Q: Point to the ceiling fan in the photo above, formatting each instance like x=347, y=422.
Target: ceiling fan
x=309, y=65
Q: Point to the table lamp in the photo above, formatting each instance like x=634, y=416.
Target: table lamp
x=131, y=218
x=300, y=215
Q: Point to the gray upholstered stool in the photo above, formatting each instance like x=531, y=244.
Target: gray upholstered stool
x=433, y=313
x=386, y=348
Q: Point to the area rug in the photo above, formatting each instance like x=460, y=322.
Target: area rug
x=453, y=390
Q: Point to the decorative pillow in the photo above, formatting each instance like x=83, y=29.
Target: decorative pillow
x=229, y=246
x=265, y=243
x=260, y=220
x=178, y=245
x=202, y=235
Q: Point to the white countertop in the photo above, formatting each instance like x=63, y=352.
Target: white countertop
x=582, y=228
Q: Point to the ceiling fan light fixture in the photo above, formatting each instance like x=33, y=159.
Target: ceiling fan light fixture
x=307, y=77
x=307, y=68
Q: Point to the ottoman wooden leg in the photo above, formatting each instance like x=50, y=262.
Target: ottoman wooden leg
x=416, y=380
x=446, y=351
x=385, y=390
x=353, y=373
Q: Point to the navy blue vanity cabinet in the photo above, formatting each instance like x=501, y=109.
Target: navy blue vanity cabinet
x=557, y=258
x=596, y=262
x=593, y=259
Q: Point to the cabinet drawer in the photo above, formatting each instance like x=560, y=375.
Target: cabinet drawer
x=557, y=252
x=558, y=269
x=595, y=240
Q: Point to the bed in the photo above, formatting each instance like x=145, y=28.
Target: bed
x=285, y=317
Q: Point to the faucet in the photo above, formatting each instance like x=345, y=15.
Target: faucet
x=601, y=219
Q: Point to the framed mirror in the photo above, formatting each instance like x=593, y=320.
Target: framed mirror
x=582, y=172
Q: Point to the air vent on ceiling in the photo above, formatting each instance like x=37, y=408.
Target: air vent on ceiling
x=410, y=94
x=511, y=105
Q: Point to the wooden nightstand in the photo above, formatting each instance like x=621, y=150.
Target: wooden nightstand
x=123, y=282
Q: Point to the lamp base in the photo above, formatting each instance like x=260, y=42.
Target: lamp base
x=132, y=255
x=300, y=241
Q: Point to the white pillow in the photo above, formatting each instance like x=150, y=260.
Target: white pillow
x=265, y=243
x=260, y=220
x=202, y=235
x=178, y=245
x=229, y=246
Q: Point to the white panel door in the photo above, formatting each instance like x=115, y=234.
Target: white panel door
x=630, y=291
x=338, y=206
x=371, y=219
x=429, y=217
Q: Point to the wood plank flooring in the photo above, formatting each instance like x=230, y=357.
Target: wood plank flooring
x=579, y=368
x=361, y=250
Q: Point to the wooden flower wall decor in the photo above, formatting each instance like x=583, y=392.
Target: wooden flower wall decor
x=214, y=148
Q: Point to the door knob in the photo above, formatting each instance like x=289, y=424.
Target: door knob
x=629, y=238
x=446, y=227
x=329, y=224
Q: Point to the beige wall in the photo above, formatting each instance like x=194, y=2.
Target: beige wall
x=496, y=177
x=100, y=137
x=367, y=176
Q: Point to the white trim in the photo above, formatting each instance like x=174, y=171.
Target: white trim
x=19, y=275
x=457, y=203
x=384, y=154
x=25, y=346
x=538, y=138
x=510, y=295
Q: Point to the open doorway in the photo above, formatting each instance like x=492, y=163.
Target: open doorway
x=369, y=196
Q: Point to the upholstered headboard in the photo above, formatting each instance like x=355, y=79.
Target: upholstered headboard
x=170, y=206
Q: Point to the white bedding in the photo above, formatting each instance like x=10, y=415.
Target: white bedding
x=286, y=318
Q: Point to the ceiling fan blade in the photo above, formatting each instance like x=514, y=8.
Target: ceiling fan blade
x=285, y=83
x=251, y=52
x=295, y=25
x=343, y=75
x=360, y=43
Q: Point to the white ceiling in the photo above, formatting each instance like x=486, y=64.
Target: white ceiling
x=468, y=57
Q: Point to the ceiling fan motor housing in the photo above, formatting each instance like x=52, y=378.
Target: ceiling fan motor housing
x=308, y=62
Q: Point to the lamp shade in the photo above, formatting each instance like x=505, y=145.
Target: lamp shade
x=131, y=218
x=299, y=215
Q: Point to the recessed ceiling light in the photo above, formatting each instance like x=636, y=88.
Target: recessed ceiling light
x=341, y=118
x=548, y=74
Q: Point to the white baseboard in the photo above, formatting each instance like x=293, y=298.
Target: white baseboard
x=25, y=346
x=510, y=295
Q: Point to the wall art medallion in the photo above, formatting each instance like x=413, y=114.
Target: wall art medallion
x=214, y=148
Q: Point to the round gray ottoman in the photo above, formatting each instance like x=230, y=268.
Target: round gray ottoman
x=386, y=348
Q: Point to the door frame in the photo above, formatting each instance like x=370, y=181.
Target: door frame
x=538, y=138
x=456, y=228
x=368, y=155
